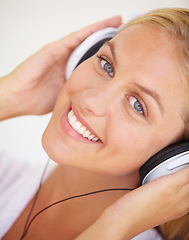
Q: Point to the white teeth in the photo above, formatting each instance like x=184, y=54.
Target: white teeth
x=70, y=114
x=72, y=119
x=81, y=130
x=76, y=125
x=95, y=139
x=86, y=134
x=90, y=137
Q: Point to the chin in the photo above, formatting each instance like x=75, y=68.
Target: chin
x=67, y=152
x=58, y=149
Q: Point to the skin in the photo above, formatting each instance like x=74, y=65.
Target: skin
x=105, y=104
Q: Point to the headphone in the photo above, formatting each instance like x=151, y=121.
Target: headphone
x=167, y=160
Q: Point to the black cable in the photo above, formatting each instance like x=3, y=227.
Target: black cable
x=27, y=225
x=35, y=198
x=69, y=198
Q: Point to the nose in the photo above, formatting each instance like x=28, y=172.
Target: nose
x=98, y=100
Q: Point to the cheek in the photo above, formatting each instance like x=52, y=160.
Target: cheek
x=130, y=144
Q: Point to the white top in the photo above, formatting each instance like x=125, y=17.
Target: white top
x=19, y=182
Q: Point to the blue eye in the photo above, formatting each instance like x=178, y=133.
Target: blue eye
x=107, y=66
x=136, y=104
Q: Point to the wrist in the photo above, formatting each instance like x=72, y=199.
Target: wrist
x=10, y=104
x=116, y=227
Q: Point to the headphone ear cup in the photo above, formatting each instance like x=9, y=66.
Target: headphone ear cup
x=165, y=162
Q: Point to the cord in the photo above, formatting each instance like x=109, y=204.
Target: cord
x=35, y=199
x=27, y=225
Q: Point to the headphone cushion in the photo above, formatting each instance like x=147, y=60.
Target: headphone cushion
x=94, y=49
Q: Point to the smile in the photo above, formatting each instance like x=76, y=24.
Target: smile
x=78, y=127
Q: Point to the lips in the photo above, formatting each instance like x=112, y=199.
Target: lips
x=80, y=127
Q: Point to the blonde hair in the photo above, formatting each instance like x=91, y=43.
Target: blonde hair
x=177, y=229
x=176, y=22
x=173, y=20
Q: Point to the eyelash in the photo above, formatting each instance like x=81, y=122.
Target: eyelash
x=143, y=112
x=106, y=62
x=102, y=58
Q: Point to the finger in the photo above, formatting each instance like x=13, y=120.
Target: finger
x=77, y=37
x=64, y=46
x=174, y=188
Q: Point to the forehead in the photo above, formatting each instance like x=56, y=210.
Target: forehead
x=148, y=52
x=145, y=38
x=147, y=31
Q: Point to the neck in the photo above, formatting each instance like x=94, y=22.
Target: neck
x=80, y=213
x=73, y=181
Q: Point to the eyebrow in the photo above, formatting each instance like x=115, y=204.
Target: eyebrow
x=112, y=49
x=153, y=94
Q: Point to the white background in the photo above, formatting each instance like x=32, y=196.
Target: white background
x=26, y=26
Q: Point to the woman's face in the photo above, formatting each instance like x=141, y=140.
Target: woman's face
x=130, y=96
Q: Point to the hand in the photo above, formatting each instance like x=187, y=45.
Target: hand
x=153, y=204
x=35, y=84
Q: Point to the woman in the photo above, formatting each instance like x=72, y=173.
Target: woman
x=113, y=107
